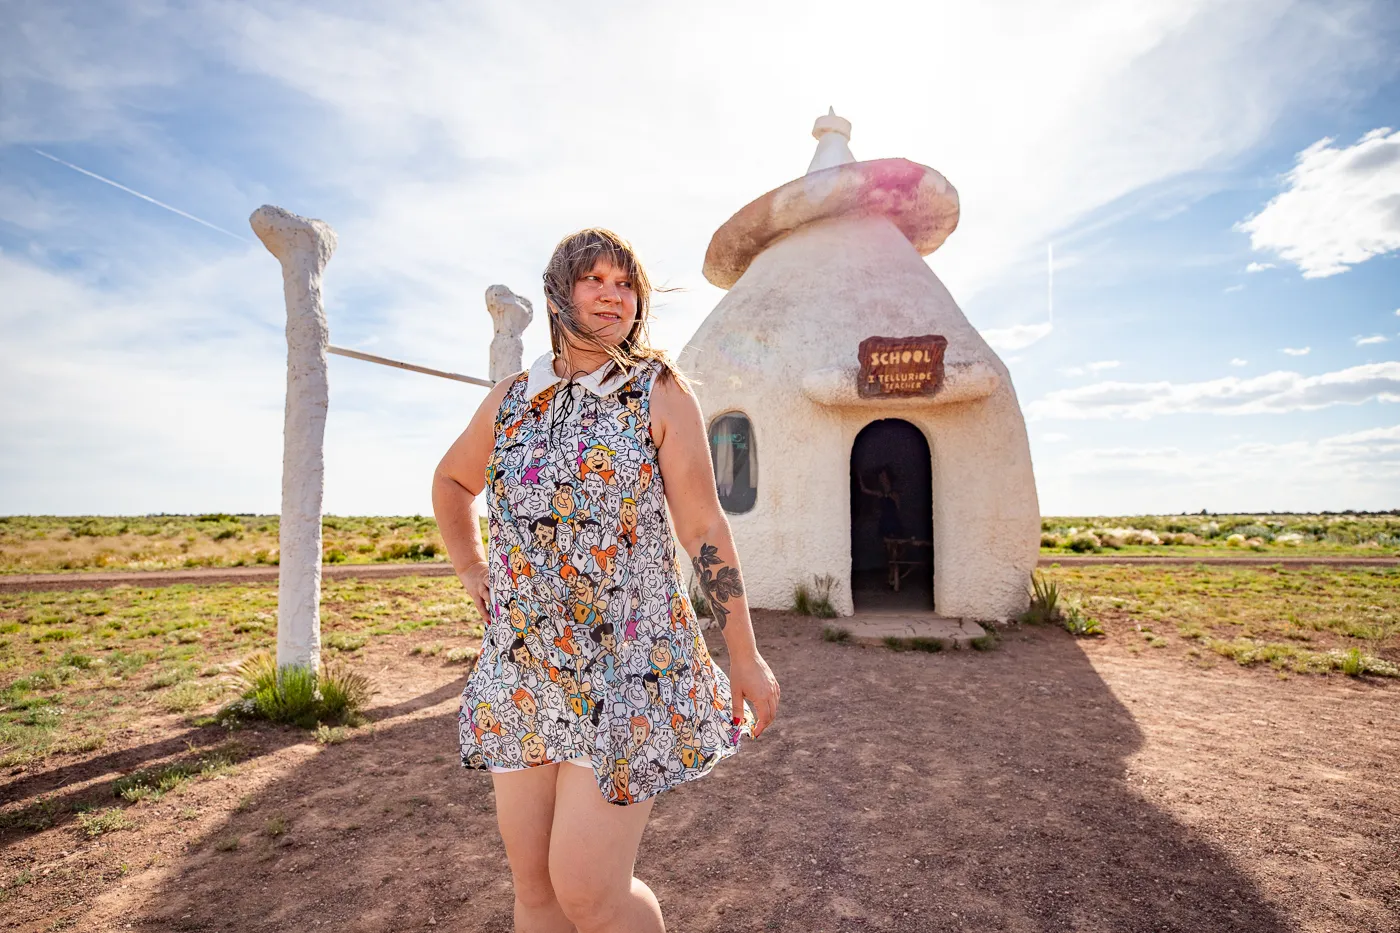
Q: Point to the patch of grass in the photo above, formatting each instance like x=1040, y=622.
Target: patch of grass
x=1078, y=622
x=227, y=844
x=179, y=641
x=1313, y=617
x=429, y=650
x=462, y=654
x=1190, y=630
x=47, y=543
x=924, y=643
x=836, y=633
x=188, y=695
x=275, y=827
x=55, y=634
x=988, y=642
x=37, y=817
x=331, y=735
x=155, y=783
x=1299, y=534
x=99, y=822
x=341, y=641
x=170, y=676
x=814, y=599
x=1247, y=652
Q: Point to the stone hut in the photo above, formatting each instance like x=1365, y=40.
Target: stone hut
x=861, y=429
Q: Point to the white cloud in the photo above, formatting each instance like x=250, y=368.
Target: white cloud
x=1274, y=392
x=1359, y=469
x=1095, y=367
x=1016, y=338
x=1342, y=206
x=1239, y=362
x=1231, y=289
x=1258, y=266
x=1373, y=339
x=1297, y=351
x=1054, y=437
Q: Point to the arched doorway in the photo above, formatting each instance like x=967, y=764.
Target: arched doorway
x=891, y=518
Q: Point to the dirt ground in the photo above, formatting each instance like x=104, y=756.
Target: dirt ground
x=1050, y=784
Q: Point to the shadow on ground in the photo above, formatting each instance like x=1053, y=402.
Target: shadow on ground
x=900, y=792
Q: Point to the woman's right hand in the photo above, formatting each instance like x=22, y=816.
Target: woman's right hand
x=477, y=579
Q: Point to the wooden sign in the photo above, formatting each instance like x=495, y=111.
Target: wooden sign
x=901, y=365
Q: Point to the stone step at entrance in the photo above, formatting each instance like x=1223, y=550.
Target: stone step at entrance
x=912, y=629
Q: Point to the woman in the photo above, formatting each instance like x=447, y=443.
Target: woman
x=604, y=695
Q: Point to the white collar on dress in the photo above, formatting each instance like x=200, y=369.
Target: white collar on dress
x=542, y=376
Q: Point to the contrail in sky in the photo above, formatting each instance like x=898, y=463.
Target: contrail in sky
x=144, y=197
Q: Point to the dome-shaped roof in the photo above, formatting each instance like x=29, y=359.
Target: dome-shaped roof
x=919, y=200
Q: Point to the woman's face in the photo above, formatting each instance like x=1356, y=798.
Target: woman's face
x=605, y=302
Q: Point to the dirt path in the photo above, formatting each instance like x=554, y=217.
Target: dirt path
x=1049, y=784
x=83, y=580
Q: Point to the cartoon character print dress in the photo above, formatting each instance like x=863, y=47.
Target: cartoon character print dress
x=592, y=647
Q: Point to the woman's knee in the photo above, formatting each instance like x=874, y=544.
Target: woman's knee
x=533, y=886
x=589, y=902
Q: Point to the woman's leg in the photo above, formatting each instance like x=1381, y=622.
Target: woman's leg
x=525, y=813
x=592, y=850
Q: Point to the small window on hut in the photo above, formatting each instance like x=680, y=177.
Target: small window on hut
x=736, y=462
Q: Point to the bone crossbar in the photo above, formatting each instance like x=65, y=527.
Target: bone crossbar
x=385, y=361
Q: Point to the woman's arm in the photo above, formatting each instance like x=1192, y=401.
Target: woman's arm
x=457, y=482
x=683, y=454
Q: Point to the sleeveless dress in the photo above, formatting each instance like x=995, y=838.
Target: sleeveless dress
x=592, y=647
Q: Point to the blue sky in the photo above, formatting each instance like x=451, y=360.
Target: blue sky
x=1165, y=149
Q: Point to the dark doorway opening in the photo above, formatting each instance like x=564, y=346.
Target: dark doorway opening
x=891, y=518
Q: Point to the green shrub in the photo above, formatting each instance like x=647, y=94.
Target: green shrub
x=344, y=692
x=836, y=634
x=1084, y=542
x=297, y=695
x=1078, y=622
x=1045, y=602
x=815, y=600
x=403, y=550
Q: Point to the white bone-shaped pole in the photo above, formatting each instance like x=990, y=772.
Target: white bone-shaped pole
x=511, y=313
x=303, y=247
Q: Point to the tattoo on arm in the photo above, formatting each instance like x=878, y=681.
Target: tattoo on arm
x=718, y=585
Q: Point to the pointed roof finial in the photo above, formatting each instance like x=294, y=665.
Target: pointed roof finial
x=833, y=136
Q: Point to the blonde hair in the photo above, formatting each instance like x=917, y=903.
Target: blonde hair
x=574, y=258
